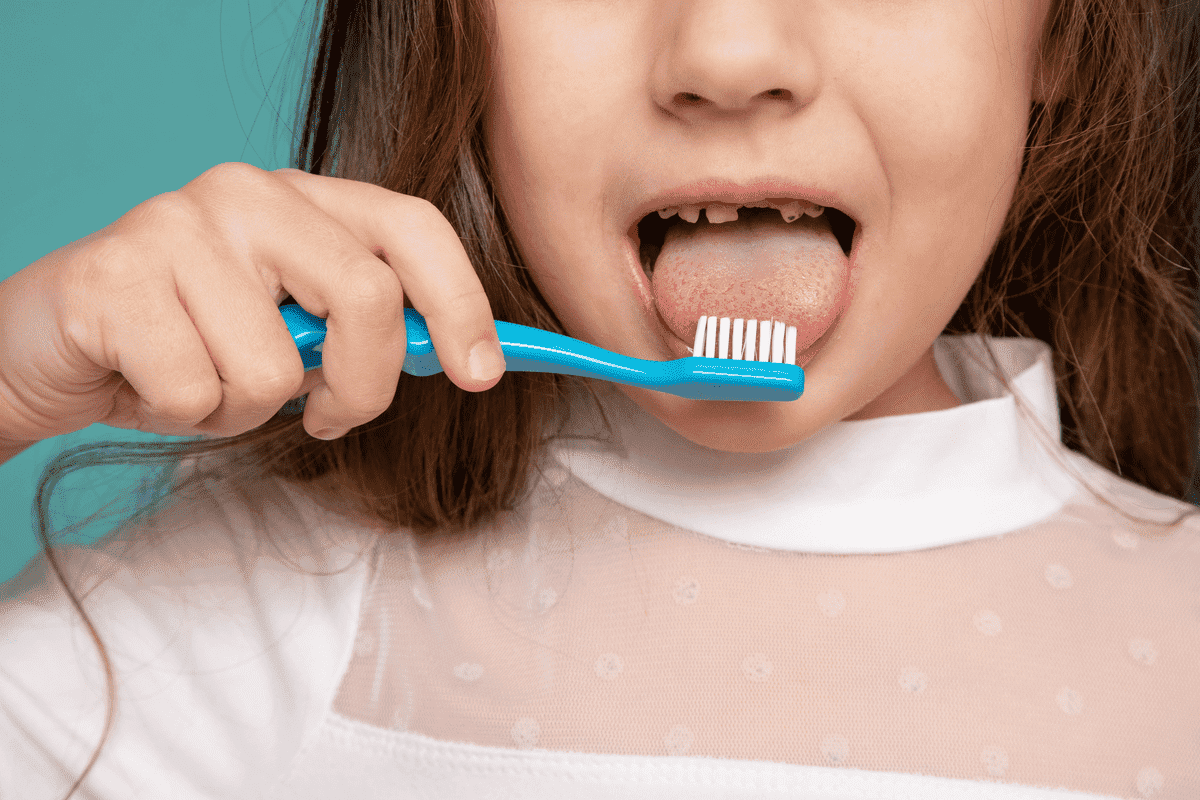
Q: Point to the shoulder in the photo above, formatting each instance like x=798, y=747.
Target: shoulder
x=228, y=614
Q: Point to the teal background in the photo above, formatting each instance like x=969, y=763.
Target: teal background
x=107, y=104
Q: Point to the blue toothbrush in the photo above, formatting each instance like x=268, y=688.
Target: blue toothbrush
x=532, y=350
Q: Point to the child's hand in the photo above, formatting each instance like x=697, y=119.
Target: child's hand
x=167, y=320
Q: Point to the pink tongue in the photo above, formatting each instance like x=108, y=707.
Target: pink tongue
x=756, y=267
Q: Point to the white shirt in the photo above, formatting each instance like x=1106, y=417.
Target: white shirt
x=926, y=605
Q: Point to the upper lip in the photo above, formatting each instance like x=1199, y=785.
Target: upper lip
x=720, y=190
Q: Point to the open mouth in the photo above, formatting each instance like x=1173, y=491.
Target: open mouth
x=651, y=231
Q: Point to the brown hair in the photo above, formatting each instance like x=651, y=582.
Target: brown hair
x=1097, y=257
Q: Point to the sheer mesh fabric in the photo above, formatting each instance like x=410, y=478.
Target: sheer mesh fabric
x=1063, y=654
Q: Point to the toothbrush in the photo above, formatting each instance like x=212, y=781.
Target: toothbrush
x=713, y=376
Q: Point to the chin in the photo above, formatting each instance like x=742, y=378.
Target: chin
x=728, y=426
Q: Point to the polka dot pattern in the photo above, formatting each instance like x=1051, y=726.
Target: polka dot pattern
x=469, y=672
x=988, y=623
x=832, y=602
x=913, y=681
x=687, y=591
x=995, y=761
x=1069, y=700
x=1059, y=576
x=1150, y=782
x=678, y=741
x=757, y=668
x=836, y=749
x=609, y=666
x=953, y=660
x=1143, y=651
x=525, y=732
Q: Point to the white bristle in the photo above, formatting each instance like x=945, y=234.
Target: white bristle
x=789, y=346
x=764, y=341
x=723, y=343
x=710, y=342
x=698, y=346
x=777, y=343
x=751, y=333
x=738, y=326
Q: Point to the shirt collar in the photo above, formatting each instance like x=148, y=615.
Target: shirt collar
x=881, y=485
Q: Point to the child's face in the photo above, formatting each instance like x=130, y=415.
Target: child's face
x=908, y=115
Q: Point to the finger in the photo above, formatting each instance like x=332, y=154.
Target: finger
x=426, y=254
x=331, y=274
x=247, y=339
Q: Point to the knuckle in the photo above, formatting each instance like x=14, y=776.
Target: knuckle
x=265, y=389
x=375, y=289
x=189, y=403
x=169, y=212
x=365, y=408
x=230, y=174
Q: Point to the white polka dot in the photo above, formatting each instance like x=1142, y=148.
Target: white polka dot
x=525, y=732
x=1126, y=540
x=499, y=559
x=1058, y=576
x=995, y=761
x=469, y=672
x=546, y=598
x=1149, y=782
x=913, y=680
x=687, y=590
x=421, y=596
x=364, y=645
x=831, y=602
x=617, y=529
x=757, y=668
x=836, y=749
x=1143, y=651
x=609, y=666
x=678, y=741
x=988, y=622
x=1069, y=700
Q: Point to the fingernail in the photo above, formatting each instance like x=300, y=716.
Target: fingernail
x=485, y=361
x=329, y=433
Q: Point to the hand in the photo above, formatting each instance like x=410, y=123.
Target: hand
x=167, y=320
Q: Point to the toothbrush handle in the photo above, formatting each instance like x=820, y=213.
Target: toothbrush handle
x=525, y=349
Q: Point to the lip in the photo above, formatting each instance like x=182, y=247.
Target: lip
x=720, y=190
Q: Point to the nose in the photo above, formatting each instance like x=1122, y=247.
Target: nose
x=729, y=57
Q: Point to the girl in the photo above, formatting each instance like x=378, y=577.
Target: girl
x=960, y=565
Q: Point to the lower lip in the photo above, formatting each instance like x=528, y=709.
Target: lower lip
x=681, y=349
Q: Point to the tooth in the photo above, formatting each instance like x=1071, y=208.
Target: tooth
x=751, y=330
x=668, y=211
x=718, y=212
x=764, y=341
x=814, y=210
x=690, y=213
x=790, y=211
x=698, y=349
x=710, y=341
x=738, y=328
x=723, y=351
x=789, y=346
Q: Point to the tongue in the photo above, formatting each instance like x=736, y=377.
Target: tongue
x=756, y=267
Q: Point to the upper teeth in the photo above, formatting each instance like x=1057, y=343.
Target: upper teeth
x=724, y=212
